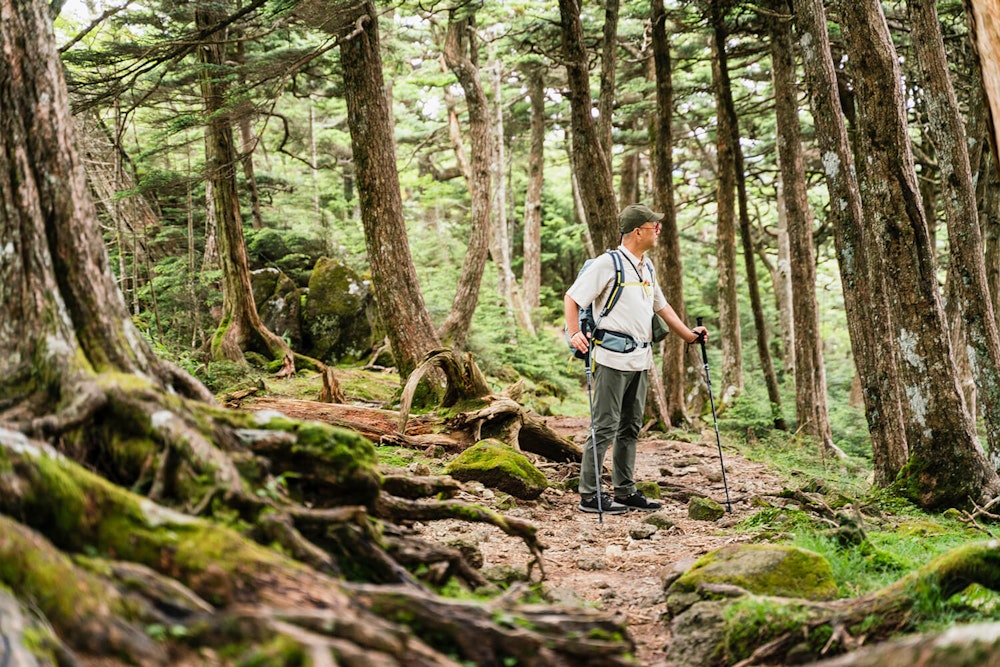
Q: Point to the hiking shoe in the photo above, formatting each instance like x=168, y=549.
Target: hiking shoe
x=608, y=506
x=638, y=501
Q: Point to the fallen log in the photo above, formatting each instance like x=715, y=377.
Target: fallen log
x=453, y=431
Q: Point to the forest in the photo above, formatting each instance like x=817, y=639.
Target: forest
x=283, y=371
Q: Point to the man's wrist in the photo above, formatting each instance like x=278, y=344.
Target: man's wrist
x=574, y=333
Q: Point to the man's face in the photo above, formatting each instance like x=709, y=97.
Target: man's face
x=648, y=234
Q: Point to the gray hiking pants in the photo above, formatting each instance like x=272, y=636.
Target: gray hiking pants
x=619, y=403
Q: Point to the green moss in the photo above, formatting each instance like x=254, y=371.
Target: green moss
x=39, y=573
x=764, y=570
x=41, y=643
x=220, y=333
x=279, y=652
x=79, y=510
x=649, y=489
x=500, y=466
x=751, y=621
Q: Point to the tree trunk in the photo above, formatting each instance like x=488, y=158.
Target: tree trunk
x=241, y=328
x=988, y=205
x=749, y=257
x=946, y=466
x=875, y=364
x=983, y=20
x=590, y=164
x=459, y=53
x=501, y=248
x=532, y=273
x=669, y=268
x=810, y=375
x=781, y=276
x=729, y=317
x=249, y=144
x=606, y=96
x=628, y=179
x=394, y=279
x=961, y=214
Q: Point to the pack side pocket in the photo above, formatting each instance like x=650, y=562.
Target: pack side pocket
x=615, y=341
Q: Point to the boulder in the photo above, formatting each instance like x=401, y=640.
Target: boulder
x=336, y=320
x=279, y=304
x=698, y=600
x=499, y=466
x=778, y=571
x=705, y=509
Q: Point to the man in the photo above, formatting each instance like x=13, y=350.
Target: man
x=620, y=378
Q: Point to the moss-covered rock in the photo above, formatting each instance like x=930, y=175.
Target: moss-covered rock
x=292, y=252
x=705, y=509
x=279, y=303
x=649, y=489
x=336, y=317
x=499, y=466
x=762, y=569
x=698, y=635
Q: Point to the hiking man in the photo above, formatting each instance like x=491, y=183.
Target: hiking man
x=622, y=355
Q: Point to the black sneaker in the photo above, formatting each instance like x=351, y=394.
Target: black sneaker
x=589, y=504
x=638, y=501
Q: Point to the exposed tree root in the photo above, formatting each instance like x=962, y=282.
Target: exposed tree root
x=420, y=487
x=848, y=624
x=531, y=635
x=179, y=571
x=400, y=509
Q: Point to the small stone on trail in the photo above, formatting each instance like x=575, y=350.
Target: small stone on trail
x=660, y=520
x=591, y=565
x=419, y=469
x=710, y=473
x=641, y=531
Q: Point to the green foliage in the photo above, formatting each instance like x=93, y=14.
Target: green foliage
x=220, y=376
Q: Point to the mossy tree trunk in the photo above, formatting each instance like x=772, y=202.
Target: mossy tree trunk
x=241, y=329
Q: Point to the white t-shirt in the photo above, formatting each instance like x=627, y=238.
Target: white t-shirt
x=633, y=313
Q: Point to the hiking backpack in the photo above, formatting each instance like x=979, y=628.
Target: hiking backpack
x=588, y=323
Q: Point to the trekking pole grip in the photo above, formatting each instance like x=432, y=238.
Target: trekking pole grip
x=701, y=339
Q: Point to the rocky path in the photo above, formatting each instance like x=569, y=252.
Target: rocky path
x=610, y=564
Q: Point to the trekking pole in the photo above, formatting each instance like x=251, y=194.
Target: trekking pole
x=715, y=420
x=593, y=436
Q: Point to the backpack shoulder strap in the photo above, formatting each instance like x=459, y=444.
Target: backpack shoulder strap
x=616, y=290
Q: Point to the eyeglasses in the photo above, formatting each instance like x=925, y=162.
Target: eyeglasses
x=655, y=227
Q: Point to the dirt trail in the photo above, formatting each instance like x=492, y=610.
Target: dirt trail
x=590, y=563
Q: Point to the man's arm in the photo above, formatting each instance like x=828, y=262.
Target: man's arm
x=689, y=335
x=571, y=309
